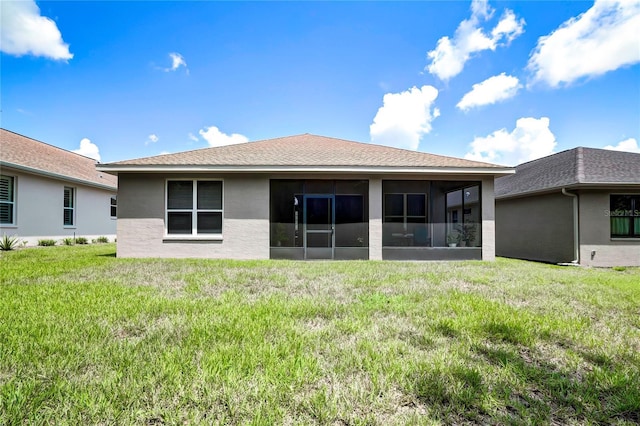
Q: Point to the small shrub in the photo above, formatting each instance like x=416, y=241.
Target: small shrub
x=82, y=240
x=8, y=242
x=102, y=240
x=46, y=243
x=68, y=241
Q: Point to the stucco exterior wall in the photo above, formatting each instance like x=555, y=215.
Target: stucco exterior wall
x=375, y=219
x=535, y=228
x=488, y=220
x=597, y=248
x=39, y=204
x=245, y=226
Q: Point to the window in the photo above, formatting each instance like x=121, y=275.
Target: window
x=194, y=207
x=405, y=217
x=114, y=207
x=624, y=213
x=69, y=206
x=7, y=200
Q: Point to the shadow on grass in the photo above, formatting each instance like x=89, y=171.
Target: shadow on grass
x=107, y=254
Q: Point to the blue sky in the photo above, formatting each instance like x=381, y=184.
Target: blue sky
x=504, y=82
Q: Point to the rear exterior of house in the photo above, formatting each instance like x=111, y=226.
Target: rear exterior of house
x=305, y=197
x=49, y=193
x=580, y=206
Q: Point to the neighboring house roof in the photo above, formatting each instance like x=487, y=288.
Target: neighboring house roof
x=303, y=153
x=577, y=167
x=30, y=155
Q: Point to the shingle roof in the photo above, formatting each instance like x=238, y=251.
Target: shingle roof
x=38, y=157
x=304, y=151
x=575, y=167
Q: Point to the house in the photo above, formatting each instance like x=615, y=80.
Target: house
x=305, y=197
x=50, y=193
x=580, y=205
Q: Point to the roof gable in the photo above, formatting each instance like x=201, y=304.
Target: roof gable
x=574, y=167
x=38, y=157
x=303, y=151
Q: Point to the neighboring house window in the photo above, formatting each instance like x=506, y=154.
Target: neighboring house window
x=7, y=200
x=625, y=216
x=69, y=206
x=114, y=207
x=194, y=207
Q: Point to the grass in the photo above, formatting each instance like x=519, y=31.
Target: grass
x=87, y=338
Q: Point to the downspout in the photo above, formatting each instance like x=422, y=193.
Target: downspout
x=576, y=229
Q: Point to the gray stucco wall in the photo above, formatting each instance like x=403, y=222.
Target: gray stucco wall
x=597, y=248
x=245, y=227
x=535, y=228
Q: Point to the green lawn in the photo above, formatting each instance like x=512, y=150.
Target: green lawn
x=86, y=338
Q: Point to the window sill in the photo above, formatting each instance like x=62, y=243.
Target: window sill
x=8, y=226
x=69, y=227
x=187, y=238
x=625, y=239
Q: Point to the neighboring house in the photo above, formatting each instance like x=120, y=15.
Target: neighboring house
x=49, y=193
x=305, y=197
x=580, y=205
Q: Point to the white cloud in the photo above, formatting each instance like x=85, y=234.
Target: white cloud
x=216, y=138
x=193, y=137
x=492, y=90
x=23, y=31
x=628, y=145
x=153, y=138
x=604, y=38
x=531, y=139
x=450, y=55
x=88, y=149
x=404, y=117
x=177, y=61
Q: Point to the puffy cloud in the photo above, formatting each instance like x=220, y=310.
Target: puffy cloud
x=88, y=149
x=23, y=31
x=492, y=90
x=450, y=55
x=404, y=117
x=153, y=138
x=628, y=145
x=530, y=139
x=216, y=138
x=604, y=38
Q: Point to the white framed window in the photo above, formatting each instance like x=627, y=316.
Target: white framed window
x=7, y=200
x=69, y=211
x=194, y=207
x=114, y=208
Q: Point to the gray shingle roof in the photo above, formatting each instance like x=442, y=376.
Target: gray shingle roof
x=38, y=157
x=575, y=167
x=304, y=151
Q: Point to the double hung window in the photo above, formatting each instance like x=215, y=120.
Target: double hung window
x=194, y=207
x=69, y=206
x=624, y=213
x=7, y=200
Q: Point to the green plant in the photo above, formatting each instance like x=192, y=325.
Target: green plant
x=68, y=241
x=102, y=239
x=454, y=237
x=468, y=233
x=82, y=240
x=8, y=242
x=46, y=243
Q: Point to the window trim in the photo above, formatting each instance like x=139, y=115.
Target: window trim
x=635, y=208
x=13, y=202
x=194, y=212
x=72, y=208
